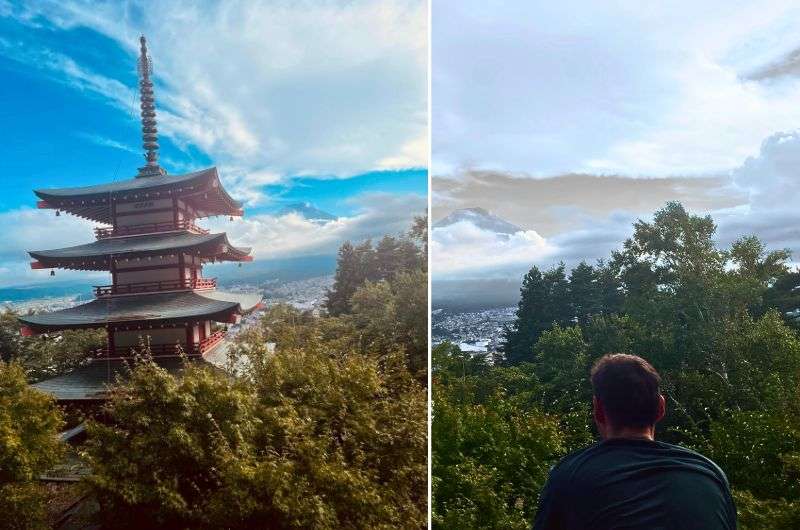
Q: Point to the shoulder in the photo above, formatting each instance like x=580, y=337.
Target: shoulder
x=566, y=467
x=695, y=458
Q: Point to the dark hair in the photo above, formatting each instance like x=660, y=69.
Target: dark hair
x=627, y=386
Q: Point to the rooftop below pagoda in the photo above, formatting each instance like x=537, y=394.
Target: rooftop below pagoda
x=144, y=308
x=202, y=189
x=92, y=380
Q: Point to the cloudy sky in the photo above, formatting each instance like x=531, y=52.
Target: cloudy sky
x=573, y=119
x=324, y=102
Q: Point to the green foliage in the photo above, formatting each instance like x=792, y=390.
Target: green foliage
x=29, y=425
x=311, y=434
x=491, y=451
x=50, y=354
x=383, y=294
x=163, y=454
x=394, y=314
x=760, y=451
x=349, y=275
x=544, y=302
x=391, y=257
x=784, y=296
x=23, y=506
x=716, y=323
x=758, y=514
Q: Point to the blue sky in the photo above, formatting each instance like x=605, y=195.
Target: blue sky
x=322, y=102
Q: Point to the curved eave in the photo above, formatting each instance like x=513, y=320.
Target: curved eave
x=151, y=309
x=232, y=254
x=91, y=381
x=97, y=255
x=202, y=189
x=248, y=302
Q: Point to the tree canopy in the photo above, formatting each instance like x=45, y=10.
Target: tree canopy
x=318, y=422
x=29, y=425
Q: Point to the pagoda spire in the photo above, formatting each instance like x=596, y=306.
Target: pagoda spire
x=148, y=106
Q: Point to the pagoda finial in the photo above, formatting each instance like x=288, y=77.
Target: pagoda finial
x=148, y=106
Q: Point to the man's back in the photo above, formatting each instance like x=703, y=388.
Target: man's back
x=636, y=484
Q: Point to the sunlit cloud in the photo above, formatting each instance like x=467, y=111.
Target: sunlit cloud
x=271, y=237
x=463, y=249
x=277, y=89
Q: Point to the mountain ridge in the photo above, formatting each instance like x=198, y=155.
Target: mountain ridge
x=481, y=218
x=307, y=211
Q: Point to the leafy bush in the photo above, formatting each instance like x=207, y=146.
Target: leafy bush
x=29, y=445
x=490, y=458
x=46, y=355
x=304, y=438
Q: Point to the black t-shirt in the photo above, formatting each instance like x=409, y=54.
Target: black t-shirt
x=636, y=484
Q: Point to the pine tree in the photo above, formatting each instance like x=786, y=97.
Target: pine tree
x=609, y=289
x=367, y=263
x=348, y=278
x=584, y=292
x=544, y=301
x=387, y=258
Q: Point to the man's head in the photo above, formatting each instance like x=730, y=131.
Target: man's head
x=627, y=399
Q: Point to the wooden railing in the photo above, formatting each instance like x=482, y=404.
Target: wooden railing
x=148, y=228
x=211, y=341
x=152, y=287
x=167, y=350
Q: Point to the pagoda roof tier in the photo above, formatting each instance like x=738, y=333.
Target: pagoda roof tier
x=96, y=256
x=91, y=381
x=201, y=189
x=147, y=309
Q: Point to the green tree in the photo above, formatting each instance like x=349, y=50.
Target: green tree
x=50, y=354
x=392, y=257
x=784, y=296
x=719, y=325
x=29, y=445
x=584, y=292
x=390, y=315
x=309, y=435
x=349, y=276
x=491, y=453
x=544, y=302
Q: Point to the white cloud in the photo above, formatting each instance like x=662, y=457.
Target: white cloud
x=619, y=88
x=319, y=88
x=613, y=87
x=107, y=142
x=39, y=230
x=292, y=235
x=464, y=250
x=271, y=237
x=768, y=181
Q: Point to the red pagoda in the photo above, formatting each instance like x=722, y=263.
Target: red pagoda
x=155, y=253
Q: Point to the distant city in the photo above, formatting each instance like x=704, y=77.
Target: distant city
x=307, y=294
x=474, y=331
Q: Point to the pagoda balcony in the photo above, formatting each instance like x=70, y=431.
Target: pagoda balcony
x=166, y=350
x=197, y=284
x=211, y=341
x=148, y=228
